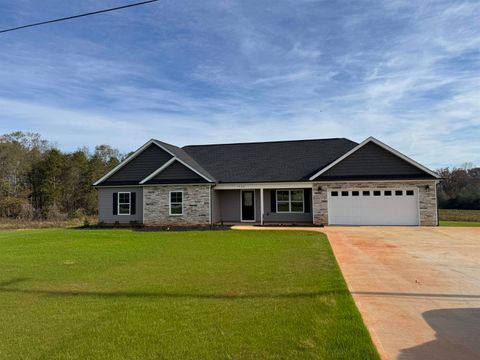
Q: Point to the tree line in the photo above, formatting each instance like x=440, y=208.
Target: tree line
x=460, y=188
x=39, y=181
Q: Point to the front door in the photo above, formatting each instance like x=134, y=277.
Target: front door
x=248, y=205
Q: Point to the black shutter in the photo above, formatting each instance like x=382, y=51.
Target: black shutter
x=273, y=201
x=307, y=196
x=115, y=203
x=133, y=203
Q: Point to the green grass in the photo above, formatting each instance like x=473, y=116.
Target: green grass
x=460, y=223
x=460, y=218
x=459, y=215
x=120, y=294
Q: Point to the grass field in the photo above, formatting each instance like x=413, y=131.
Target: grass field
x=460, y=223
x=463, y=218
x=120, y=294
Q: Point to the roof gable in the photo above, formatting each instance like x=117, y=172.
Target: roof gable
x=182, y=156
x=147, y=160
x=276, y=161
x=374, y=160
x=135, y=168
x=173, y=173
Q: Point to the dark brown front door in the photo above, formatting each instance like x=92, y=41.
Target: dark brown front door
x=248, y=205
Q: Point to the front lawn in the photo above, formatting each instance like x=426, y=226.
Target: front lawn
x=460, y=218
x=460, y=223
x=120, y=294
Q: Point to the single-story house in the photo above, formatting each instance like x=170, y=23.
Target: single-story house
x=322, y=182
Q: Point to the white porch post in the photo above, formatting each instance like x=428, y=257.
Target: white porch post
x=261, y=206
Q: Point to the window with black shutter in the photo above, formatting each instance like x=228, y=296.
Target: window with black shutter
x=124, y=203
x=273, y=201
x=115, y=204
x=133, y=203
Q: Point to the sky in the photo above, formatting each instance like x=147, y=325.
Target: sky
x=195, y=72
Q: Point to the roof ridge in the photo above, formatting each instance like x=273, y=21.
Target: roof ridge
x=268, y=142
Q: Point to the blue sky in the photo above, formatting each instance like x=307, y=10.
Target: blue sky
x=190, y=72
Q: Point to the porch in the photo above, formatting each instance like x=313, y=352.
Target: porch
x=262, y=204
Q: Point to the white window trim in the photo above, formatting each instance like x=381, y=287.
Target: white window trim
x=290, y=201
x=170, y=202
x=129, y=203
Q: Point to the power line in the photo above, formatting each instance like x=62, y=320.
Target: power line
x=78, y=16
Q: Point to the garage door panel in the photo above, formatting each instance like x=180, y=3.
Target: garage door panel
x=373, y=210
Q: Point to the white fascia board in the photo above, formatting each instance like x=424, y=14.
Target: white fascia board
x=138, y=152
x=159, y=170
x=195, y=170
x=384, y=146
x=126, y=161
x=166, y=165
x=183, y=163
x=264, y=185
x=162, y=147
x=374, y=181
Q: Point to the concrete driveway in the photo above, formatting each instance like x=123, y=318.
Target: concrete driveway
x=418, y=289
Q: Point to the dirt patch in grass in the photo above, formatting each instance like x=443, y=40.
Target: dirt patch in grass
x=18, y=224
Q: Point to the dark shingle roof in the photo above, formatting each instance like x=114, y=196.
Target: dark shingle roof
x=186, y=158
x=268, y=161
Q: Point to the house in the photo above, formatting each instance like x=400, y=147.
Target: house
x=323, y=182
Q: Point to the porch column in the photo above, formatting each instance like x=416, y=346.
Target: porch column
x=261, y=206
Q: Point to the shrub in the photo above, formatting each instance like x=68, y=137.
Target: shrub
x=27, y=212
x=54, y=213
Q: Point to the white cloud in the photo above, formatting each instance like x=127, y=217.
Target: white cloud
x=405, y=72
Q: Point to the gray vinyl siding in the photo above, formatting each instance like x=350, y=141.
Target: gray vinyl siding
x=372, y=161
x=140, y=167
x=230, y=208
x=229, y=205
x=177, y=171
x=216, y=210
x=105, y=205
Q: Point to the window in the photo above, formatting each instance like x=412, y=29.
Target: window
x=344, y=193
x=366, y=193
x=377, y=193
x=355, y=193
x=334, y=193
x=290, y=201
x=387, y=193
x=398, y=192
x=176, y=202
x=296, y=205
x=124, y=203
x=409, y=192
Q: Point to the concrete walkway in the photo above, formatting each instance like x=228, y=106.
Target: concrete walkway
x=418, y=289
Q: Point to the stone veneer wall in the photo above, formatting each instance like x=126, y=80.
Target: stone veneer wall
x=196, y=205
x=427, y=198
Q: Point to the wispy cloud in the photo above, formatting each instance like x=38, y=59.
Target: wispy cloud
x=195, y=72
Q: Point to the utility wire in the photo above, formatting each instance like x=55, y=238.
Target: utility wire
x=78, y=16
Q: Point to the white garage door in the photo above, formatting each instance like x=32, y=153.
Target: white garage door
x=373, y=207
